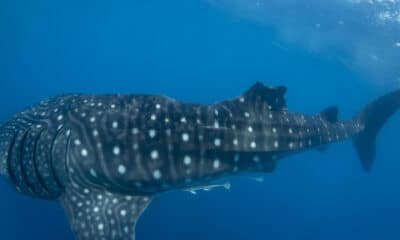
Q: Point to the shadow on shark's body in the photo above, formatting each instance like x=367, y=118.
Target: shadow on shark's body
x=104, y=157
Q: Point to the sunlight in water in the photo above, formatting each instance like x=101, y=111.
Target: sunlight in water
x=362, y=34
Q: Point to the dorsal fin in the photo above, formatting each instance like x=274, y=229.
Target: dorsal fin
x=260, y=94
x=330, y=114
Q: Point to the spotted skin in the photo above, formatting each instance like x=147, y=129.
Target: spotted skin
x=104, y=157
x=99, y=214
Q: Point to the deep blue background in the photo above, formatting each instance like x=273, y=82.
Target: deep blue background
x=194, y=52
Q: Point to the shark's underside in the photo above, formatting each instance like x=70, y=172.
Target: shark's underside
x=104, y=157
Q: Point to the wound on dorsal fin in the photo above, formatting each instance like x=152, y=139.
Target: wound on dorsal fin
x=330, y=114
x=272, y=97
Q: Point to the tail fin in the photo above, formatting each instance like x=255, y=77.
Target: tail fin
x=373, y=117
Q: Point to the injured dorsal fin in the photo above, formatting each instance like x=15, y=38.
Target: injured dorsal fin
x=330, y=114
x=266, y=96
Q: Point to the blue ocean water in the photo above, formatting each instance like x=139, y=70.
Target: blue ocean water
x=204, y=51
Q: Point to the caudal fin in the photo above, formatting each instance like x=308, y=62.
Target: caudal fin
x=373, y=117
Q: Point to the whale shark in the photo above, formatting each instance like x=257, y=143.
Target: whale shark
x=104, y=158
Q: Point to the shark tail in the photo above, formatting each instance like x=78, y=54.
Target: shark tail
x=373, y=117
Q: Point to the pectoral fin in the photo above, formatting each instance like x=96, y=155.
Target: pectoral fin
x=97, y=214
